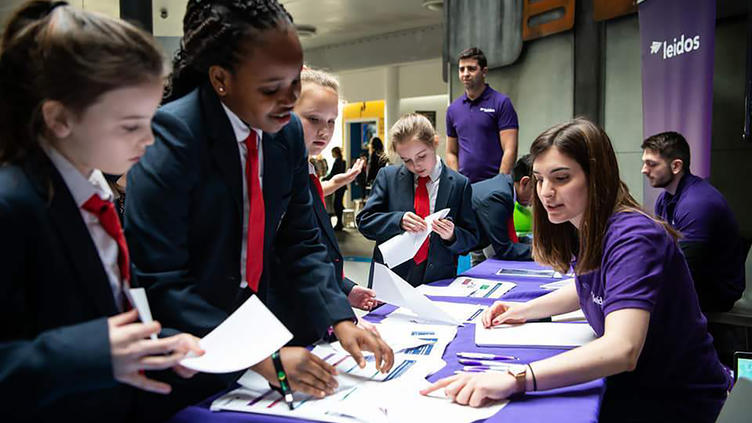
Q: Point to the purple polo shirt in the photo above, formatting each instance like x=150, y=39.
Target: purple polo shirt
x=678, y=373
x=476, y=125
x=708, y=225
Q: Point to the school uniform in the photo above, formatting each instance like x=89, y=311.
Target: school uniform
x=678, y=375
x=494, y=202
x=187, y=222
x=394, y=193
x=61, y=281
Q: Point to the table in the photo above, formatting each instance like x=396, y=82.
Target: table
x=579, y=403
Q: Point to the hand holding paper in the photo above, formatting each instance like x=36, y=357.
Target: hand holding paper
x=247, y=336
x=404, y=246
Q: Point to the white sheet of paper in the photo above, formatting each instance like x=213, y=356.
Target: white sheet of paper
x=404, y=403
x=246, y=337
x=538, y=335
x=137, y=297
x=402, y=247
x=557, y=285
x=736, y=408
x=392, y=289
x=528, y=273
x=482, y=288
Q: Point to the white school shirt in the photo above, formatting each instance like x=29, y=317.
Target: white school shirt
x=432, y=186
x=242, y=131
x=82, y=189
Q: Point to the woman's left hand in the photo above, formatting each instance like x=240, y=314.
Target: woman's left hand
x=445, y=229
x=477, y=389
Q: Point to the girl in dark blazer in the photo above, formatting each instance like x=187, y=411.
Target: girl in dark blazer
x=77, y=92
x=403, y=195
x=318, y=110
x=224, y=190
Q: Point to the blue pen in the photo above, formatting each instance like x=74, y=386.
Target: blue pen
x=482, y=356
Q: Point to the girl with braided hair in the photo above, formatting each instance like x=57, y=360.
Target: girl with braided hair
x=223, y=193
x=77, y=93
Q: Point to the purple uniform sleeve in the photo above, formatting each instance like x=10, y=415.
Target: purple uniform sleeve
x=633, y=265
x=507, y=116
x=450, y=130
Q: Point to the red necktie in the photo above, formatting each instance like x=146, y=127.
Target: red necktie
x=254, y=252
x=316, y=183
x=422, y=209
x=105, y=211
x=511, y=231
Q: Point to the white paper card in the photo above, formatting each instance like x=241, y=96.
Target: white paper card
x=572, y=316
x=403, y=247
x=137, y=297
x=553, y=286
x=392, y=289
x=246, y=337
x=538, y=335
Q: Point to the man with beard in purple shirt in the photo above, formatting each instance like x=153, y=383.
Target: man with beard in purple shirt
x=710, y=234
x=481, y=124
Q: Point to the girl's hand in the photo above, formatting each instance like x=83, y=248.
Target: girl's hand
x=411, y=222
x=445, y=229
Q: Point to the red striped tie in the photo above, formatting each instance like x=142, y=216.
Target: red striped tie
x=422, y=209
x=254, y=258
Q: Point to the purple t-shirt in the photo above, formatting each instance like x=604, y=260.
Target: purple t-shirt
x=476, y=125
x=708, y=226
x=678, y=371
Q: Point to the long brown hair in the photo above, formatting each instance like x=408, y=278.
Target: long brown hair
x=52, y=51
x=556, y=245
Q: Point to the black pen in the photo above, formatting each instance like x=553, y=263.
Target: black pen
x=282, y=378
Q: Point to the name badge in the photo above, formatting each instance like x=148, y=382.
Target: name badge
x=484, y=109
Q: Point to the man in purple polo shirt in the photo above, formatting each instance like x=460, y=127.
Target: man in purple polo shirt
x=710, y=235
x=481, y=124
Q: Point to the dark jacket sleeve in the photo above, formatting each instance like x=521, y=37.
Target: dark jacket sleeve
x=157, y=227
x=465, y=227
x=35, y=371
x=300, y=246
x=375, y=221
x=493, y=211
x=348, y=285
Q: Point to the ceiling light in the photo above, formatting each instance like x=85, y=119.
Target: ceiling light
x=434, y=5
x=305, y=31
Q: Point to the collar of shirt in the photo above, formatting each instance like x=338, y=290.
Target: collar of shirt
x=482, y=96
x=79, y=186
x=240, y=128
x=311, y=168
x=435, y=172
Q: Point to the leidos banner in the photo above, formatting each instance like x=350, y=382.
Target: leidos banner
x=677, y=38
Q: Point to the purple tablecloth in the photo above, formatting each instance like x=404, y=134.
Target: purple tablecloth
x=575, y=404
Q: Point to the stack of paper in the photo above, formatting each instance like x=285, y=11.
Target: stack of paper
x=537, y=335
x=553, y=286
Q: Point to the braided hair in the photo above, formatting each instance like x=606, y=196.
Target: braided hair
x=213, y=32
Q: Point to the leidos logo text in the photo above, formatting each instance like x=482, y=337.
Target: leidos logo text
x=679, y=46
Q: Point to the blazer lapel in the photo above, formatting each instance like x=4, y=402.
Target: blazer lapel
x=223, y=145
x=323, y=217
x=79, y=247
x=406, y=197
x=445, y=182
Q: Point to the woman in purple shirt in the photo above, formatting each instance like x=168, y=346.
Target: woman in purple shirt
x=632, y=283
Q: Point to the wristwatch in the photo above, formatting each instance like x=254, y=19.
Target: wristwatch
x=518, y=372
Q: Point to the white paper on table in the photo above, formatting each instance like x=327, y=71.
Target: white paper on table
x=463, y=312
x=403, y=403
x=483, y=288
x=398, y=330
x=246, y=337
x=137, y=298
x=572, y=316
x=443, y=291
x=392, y=289
x=736, y=407
x=538, y=335
x=552, y=286
x=401, y=248
x=528, y=273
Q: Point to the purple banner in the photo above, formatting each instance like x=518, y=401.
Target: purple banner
x=677, y=38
